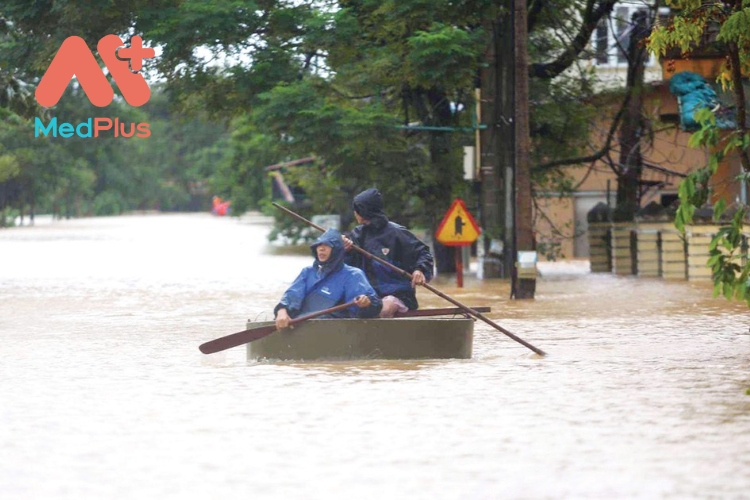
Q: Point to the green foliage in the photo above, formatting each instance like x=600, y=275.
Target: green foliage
x=560, y=117
x=106, y=175
x=728, y=252
x=109, y=203
x=693, y=18
x=728, y=261
x=443, y=53
x=736, y=29
x=207, y=46
x=390, y=63
x=8, y=167
x=551, y=250
x=240, y=176
x=693, y=193
x=686, y=32
x=728, y=257
x=287, y=80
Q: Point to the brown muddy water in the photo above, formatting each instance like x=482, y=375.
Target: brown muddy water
x=104, y=394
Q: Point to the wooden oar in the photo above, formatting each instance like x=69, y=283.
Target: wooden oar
x=431, y=288
x=245, y=336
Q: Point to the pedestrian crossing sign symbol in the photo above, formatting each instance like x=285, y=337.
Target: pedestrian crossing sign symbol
x=458, y=227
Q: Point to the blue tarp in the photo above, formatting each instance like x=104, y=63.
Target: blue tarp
x=693, y=93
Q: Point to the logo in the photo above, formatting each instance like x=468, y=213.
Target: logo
x=325, y=290
x=385, y=251
x=75, y=59
x=99, y=125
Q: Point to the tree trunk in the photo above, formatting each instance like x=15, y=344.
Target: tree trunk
x=522, y=288
x=631, y=161
x=739, y=98
x=3, y=202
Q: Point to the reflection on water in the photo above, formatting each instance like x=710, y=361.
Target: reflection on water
x=105, y=394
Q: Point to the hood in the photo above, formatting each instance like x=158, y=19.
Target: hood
x=331, y=238
x=369, y=204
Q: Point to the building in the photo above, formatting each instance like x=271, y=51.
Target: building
x=561, y=219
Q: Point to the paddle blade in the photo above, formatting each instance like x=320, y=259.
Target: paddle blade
x=236, y=339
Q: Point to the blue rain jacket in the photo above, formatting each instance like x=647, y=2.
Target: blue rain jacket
x=392, y=243
x=327, y=284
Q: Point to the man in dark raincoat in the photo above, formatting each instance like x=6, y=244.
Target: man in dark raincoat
x=327, y=283
x=393, y=243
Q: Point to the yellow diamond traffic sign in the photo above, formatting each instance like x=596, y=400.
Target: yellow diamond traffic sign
x=458, y=227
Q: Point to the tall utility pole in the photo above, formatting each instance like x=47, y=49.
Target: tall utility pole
x=522, y=288
x=497, y=145
x=505, y=173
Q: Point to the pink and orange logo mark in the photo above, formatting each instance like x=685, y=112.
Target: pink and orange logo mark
x=75, y=59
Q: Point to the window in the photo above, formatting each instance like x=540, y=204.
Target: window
x=612, y=36
x=668, y=199
x=602, y=43
x=622, y=21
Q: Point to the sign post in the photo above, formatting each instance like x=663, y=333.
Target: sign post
x=458, y=229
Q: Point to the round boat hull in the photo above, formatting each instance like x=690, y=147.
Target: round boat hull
x=348, y=339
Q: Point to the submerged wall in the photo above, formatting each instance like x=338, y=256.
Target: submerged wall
x=653, y=247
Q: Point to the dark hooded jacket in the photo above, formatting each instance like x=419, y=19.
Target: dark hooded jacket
x=391, y=242
x=327, y=284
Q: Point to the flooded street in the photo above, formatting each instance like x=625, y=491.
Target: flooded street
x=104, y=394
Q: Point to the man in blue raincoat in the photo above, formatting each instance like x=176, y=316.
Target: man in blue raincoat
x=327, y=283
x=393, y=243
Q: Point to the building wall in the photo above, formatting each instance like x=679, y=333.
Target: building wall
x=610, y=41
x=564, y=218
x=554, y=219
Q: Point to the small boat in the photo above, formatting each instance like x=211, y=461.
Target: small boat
x=352, y=339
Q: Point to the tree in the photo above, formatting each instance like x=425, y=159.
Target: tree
x=409, y=64
x=241, y=176
x=381, y=92
x=730, y=21
x=633, y=129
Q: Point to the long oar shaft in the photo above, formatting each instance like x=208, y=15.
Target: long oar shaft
x=317, y=314
x=246, y=336
x=431, y=288
x=484, y=318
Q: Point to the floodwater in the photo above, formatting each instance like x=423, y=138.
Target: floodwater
x=104, y=394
